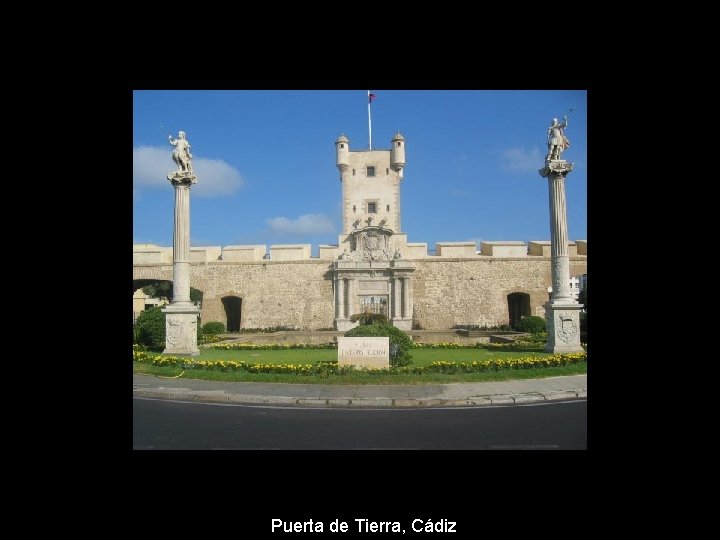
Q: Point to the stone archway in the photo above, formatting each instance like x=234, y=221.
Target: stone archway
x=233, y=312
x=165, y=287
x=518, y=307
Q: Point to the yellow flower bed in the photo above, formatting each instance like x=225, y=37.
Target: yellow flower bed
x=325, y=367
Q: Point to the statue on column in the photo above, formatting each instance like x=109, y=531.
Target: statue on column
x=556, y=140
x=181, y=155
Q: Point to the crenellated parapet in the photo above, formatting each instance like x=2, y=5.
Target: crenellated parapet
x=152, y=254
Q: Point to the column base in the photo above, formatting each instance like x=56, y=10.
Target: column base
x=402, y=324
x=181, y=329
x=563, y=328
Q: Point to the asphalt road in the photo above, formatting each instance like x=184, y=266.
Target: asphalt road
x=165, y=425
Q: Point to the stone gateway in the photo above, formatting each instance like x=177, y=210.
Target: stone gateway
x=372, y=267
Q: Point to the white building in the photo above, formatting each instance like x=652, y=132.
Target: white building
x=577, y=284
x=142, y=301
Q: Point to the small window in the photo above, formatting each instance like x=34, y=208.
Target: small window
x=387, y=171
x=342, y=146
x=353, y=208
x=353, y=172
x=398, y=143
x=372, y=208
x=388, y=207
x=371, y=171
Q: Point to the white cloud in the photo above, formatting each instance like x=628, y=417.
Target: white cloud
x=307, y=224
x=152, y=164
x=519, y=159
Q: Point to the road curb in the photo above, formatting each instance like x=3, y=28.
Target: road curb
x=220, y=396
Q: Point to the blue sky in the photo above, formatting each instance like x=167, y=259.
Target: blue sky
x=266, y=162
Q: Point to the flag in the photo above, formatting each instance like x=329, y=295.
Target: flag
x=371, y=97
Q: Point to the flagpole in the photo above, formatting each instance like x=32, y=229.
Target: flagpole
x=369, y=123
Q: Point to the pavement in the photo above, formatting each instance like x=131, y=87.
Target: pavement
x=328, y=395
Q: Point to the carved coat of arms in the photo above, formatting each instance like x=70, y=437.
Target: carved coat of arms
x=372, y=244
x=566, y=329
x=173, y=334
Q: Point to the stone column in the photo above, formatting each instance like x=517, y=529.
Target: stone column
x=397, y=298
x=339, y=297
x=181, y=315
x=350, y=298
x=406, y=311
x=181, y=245
x=562, y=312
x=559, y=240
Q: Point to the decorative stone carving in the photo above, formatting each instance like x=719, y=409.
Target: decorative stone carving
x=372, y=244
x=565, y=327
x=558, y=167
x=181, y=155
x=556, y=140
x=173, y=333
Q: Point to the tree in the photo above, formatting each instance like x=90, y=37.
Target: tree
x=582, y=297
x=150, y=329
x=366, y=317
x=159, y=289
x=164, y=289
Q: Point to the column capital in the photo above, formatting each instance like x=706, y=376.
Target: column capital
x=182, y=178
x=556, y=167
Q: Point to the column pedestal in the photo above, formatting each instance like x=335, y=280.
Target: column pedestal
x=563, y=328
x=181, y=329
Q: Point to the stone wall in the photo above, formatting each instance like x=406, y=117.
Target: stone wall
x=461, y=291
x=446, y=291
x=297, y=294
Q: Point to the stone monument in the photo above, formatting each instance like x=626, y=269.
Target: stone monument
x=562, y=311
x=364, y=352
x=181, y=315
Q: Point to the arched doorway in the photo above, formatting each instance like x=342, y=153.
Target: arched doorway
x=518, y=307
x=233, y=312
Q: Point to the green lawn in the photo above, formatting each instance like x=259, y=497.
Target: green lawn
x=420, y=357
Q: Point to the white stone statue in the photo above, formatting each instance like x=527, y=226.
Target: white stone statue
x=556, y=140
x=398, y=254
x=181, y=155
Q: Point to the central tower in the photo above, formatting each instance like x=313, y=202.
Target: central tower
x=371, y=273
x=371, y=184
